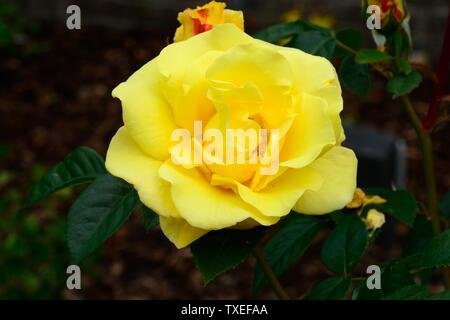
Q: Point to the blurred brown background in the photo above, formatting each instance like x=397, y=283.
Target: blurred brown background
x=55, y=87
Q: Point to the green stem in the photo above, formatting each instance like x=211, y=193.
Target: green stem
x=425, y=148
x=344, y=46
x=378, y=68
x=271, y=276
x=428, y=167
x=427, y=158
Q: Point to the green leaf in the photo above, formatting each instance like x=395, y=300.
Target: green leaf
x=419, y=236
x=371, y=56
x=342, y=215
x=315, y=42
x=80, y=166
x=435, y=254
x=149, y=218
x=445, y=295
x=287, y=246
x=345, y=245
x=97, y=213
x=403, y=84
x=349, y=37
x=394, y=276
x=7, y=9
x=444, y=206
x=361, y=292
x=6, y=35
x=4, y=150
x=355, y=77
x=403, y=66
x=400, y=42
x=413, y=292
x=330, y=289
x=400, y=204
x=277, y=32
x=219, y=251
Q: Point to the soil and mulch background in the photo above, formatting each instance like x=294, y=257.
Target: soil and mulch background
x=56, y=100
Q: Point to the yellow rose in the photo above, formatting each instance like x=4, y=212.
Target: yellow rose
x=201, y=19
x=224, y=79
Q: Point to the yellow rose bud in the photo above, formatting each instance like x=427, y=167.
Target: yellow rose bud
x=201, y=19
x=375, y=219
x=225, y=80
x=392, y=11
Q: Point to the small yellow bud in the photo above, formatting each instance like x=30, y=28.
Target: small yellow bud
x=375, y=219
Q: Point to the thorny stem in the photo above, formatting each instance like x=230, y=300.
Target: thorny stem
x=427, y=155
x=430, y=177
x=271, y=276
x=428, y=166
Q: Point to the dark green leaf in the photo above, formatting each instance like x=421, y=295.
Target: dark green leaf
x=413, y=292
x=361, y=292
x=277, y=32
x=394, y=276
x=149, y=218
x=219, y=251
x=403, y=66
x=400, y=42
x=400, y=204
x=445, y=295
x=345, y=245
x=342, y=215
x=364, y=56
x=349, y=37
x=330, y=289
x=80, y=166
x=403, y=84
x=444, y=206
x=97, y=213
x=6, y=35
x=287, y=246
x=315, y=42
x=419, y=236
x=7, y=9
x=355, y=77
x=4, y=150
x=435, y=254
